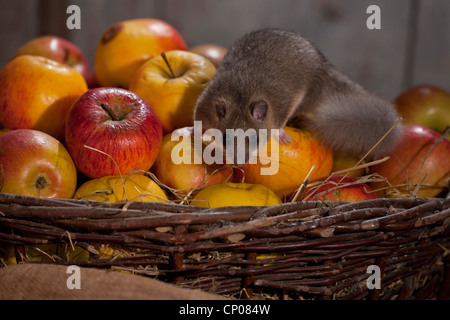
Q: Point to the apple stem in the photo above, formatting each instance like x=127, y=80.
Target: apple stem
x=108, y=110
x=163, y=55
x=41, y=182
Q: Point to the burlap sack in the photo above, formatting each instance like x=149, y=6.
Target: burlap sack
x=49, y=282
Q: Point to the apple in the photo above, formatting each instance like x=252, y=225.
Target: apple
x=235, y=194
x=36, y=93
x=338, y=188
x=410, y=162
x=112, y=131
x=425, y=105
x=213, y=52
x=187, y=176
x=126, y=45
x=60, y=50
x=305, y=157
x=33, y=163
x=132, y=187
x=171, y=83
x=4, y=130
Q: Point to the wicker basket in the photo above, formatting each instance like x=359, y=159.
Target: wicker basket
x=301, y=250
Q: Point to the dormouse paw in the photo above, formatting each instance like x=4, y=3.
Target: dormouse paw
x=184, y=132
x=283, y=137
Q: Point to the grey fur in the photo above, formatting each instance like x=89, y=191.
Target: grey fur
x=302, y=89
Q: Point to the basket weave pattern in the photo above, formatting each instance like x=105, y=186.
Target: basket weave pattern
x=304, y=250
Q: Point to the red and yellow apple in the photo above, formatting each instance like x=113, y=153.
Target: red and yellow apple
x=304, y=155
x=413, y=162
x=235, y=194
x=59, y=50
x=425, y=105
x=172, y=85
x=132, y=187
x=184, y=176
x=126, y=45
x=34, y=163
x=338, y=188
x=112, y=131
x=37, y=93
x=213, y=52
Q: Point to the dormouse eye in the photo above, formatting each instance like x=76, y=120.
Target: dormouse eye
x=259, y=110
x=220, y=110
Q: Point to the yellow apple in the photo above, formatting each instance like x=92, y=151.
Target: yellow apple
x=304, y=156
x=136, y=187
x=171, y=84
x=187, y=175
x=126, y=45
x=235, y=194
x=37, y=93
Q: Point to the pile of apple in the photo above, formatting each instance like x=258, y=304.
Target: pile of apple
x=105, y=134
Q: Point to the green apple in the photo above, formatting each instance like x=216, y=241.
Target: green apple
x=425, y=105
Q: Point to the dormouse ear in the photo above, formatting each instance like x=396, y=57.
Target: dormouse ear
x=220, y=109
x=259, y=110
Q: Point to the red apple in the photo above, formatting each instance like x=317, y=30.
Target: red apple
x=212, y=52
x=410, y=162
x=425, y=105
x=338, y=188
x=34, y=163
x=60, y=50
x=108, y=124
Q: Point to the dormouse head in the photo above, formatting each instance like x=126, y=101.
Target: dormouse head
x=239, y=114
x=230, y=102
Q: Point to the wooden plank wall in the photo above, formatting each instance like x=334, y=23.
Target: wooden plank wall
x=412, y=46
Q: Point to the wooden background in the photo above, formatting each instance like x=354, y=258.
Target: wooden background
x=412, y=47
